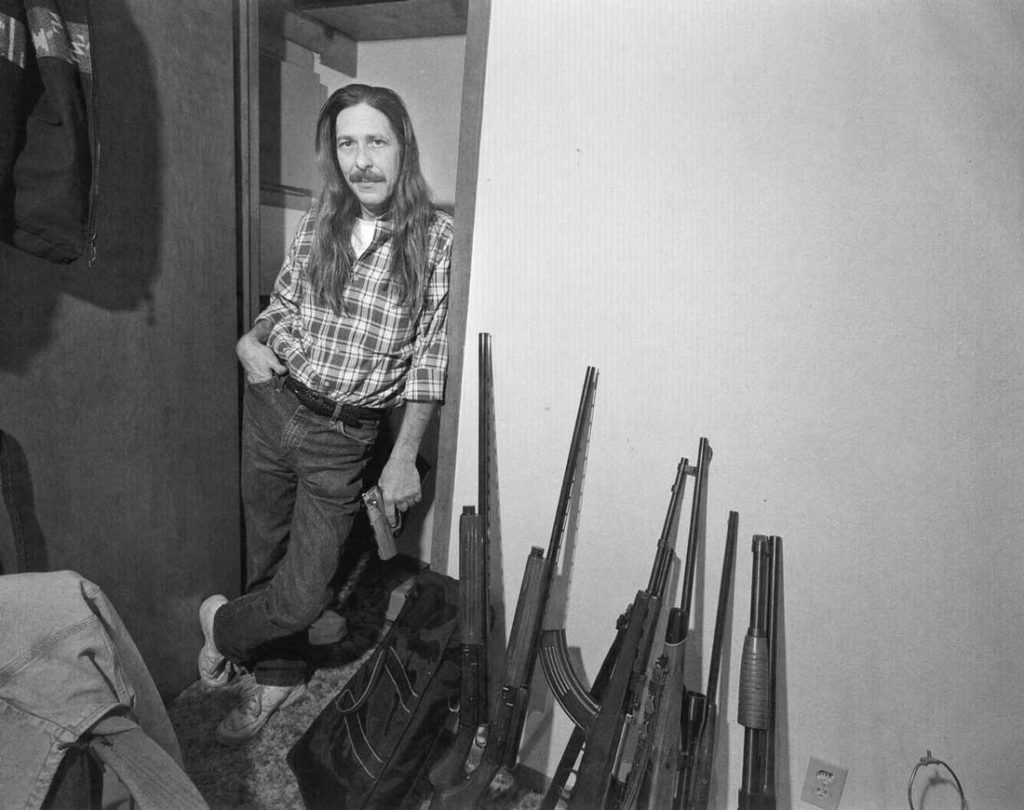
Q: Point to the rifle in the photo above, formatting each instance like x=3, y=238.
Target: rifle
x=596, y=786
x=567, y=764
x=509, y=713
x=703, y=762
x=757, y=677
x=774, y=624
x=668, y=695
x=584, y=708
x=474, y=597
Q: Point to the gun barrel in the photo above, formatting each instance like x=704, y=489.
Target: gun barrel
x=667, y=541
x=485, y=481
x=509, y=712
x=576, y=450
x=724, y=594
x=485, y=394
x=774, y=625
x=699, y=784
x=698, y=523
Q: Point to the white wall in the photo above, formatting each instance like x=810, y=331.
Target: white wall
x=794, y=228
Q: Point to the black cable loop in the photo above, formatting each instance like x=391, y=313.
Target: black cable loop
x=928, y=759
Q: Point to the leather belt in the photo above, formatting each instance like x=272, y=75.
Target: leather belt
x=352, y=415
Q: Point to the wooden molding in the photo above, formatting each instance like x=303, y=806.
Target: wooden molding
x=470, y=126
x=279, y=21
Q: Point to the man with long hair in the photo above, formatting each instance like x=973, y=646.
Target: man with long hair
x=356, y=326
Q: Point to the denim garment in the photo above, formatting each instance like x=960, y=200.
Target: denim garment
x=302, y=476
x=66, y=662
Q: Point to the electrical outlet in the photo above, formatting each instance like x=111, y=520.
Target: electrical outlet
x=823, y=786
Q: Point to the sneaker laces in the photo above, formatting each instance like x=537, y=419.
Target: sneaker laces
x=251, y=702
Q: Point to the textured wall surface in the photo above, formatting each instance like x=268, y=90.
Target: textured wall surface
x=119, y=380
x=793, y=228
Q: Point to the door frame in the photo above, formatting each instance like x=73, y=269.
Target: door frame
x=248, y=200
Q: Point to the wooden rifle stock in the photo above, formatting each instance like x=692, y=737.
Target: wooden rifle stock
x=509, y=713
x=622, y=700
x=704, y=759
x=667, y=748
x=666, y=739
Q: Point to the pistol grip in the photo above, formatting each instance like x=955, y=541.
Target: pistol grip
x=382, y=531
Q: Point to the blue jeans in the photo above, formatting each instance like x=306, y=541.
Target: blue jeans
x=66, y=662
x=302, y=476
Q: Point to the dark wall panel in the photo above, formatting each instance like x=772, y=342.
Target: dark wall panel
x=119, y=381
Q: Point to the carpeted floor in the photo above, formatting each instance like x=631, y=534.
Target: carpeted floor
x=256, y=776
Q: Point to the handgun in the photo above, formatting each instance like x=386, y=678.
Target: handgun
x=383, y=532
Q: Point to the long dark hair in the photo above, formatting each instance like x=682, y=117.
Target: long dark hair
x=337, y=208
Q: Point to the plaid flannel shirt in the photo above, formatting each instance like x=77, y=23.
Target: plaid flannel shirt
x=375, y=353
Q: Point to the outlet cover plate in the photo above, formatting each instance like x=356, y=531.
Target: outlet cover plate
x=823, y=785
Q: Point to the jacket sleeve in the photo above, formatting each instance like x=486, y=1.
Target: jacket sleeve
x=53, y=168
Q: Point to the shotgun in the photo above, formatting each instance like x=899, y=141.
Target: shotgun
x=757, y=677
x=450, y=769
x=666, y=750
x=474, y=598
x=699, y=792
x=509, y=712
x=774, y=626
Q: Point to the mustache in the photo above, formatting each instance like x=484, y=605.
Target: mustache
x=365, y=177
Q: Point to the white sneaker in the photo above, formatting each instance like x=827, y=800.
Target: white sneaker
x=258, y=704
x=215, y=671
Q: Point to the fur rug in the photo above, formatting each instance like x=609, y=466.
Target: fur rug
x=256, y=776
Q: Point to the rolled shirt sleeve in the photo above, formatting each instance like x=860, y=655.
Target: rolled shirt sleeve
x=373, y=351
x=425, y=381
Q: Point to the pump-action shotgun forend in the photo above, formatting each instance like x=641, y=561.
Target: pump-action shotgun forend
x=509, y=712
x=756, y=710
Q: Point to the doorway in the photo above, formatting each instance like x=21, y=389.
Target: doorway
x=292, y=54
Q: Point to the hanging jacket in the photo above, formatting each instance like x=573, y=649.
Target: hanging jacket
x=48, y=148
